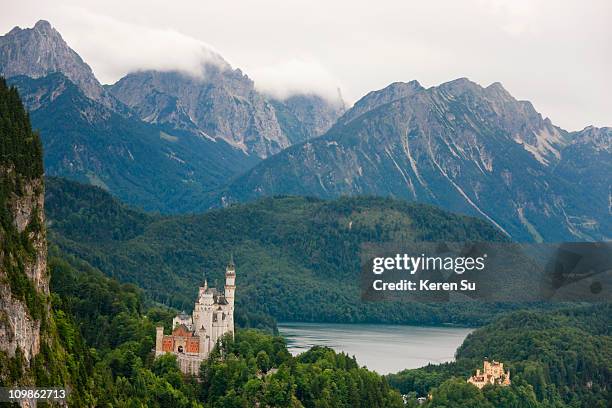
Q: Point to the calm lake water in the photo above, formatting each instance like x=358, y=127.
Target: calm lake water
x=382, y=348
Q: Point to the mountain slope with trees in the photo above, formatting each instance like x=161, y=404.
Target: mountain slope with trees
x=148, y=166
x=298, y=258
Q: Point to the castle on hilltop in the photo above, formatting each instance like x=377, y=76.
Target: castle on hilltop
x=493, y=373
x=193, y=337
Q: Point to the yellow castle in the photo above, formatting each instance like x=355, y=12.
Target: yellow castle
x=493, y=373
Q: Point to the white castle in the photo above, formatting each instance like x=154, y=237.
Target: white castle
x=193, y=337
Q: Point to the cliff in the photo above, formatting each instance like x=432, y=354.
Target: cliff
x=24, y=281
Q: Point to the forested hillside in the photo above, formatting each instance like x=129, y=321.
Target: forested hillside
x=556, y=359
x=297, y=258
x=108, y=334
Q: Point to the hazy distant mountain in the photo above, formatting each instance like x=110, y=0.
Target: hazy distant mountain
x=306, y=116
x=460, y=146
x=224, y=104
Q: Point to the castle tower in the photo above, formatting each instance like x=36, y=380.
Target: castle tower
x=203, y=288
x=230, y=281
x=230, y=292
x=159, y=337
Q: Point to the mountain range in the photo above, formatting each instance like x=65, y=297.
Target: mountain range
x=173, y=142
x=157, y=140
x=460, y=146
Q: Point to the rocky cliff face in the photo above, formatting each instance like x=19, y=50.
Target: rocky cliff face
x=222, y=104
x=19, y=330
x=463, y=147
x=24, y=281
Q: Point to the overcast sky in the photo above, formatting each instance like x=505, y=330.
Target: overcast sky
x=557, y=54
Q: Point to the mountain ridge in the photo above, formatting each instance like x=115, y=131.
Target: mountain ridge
x=225, y=104
x=148, y=166
x=194, y=135
x=466, y=148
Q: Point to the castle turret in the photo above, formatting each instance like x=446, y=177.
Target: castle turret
x=203, y=288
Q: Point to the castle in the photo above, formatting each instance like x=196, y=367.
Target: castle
x=193, y=337
x=493, y=373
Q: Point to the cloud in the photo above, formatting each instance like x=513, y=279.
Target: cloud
x=516, y=16
x=295, y=76
x=114, y=47
x=554, y=53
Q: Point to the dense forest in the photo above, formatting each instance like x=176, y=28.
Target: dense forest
x=556, y=359
x=298, y=259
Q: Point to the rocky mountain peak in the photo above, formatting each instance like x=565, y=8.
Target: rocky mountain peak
x=518, y=120
x=44, y=26
x=374, y=99
x=461, y=85
x=41, y=50
x=598, y=138
x=223, y=104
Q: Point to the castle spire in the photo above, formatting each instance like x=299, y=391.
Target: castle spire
x=230, y=269
x=205, y=284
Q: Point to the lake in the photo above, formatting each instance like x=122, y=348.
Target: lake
x=382, y=348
